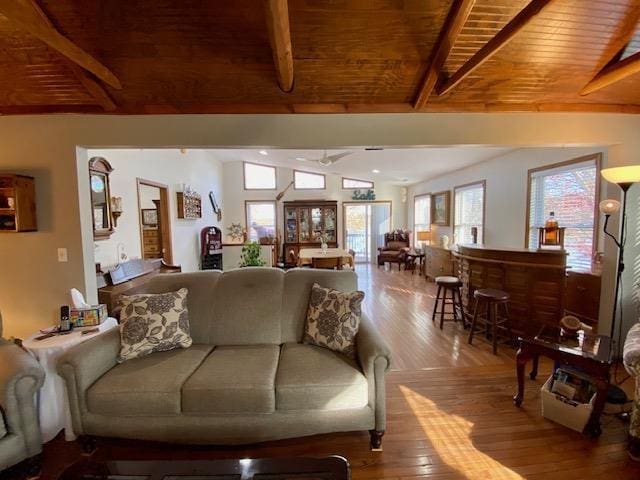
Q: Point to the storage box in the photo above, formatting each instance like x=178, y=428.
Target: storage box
x=561, y=410
x=88, y=317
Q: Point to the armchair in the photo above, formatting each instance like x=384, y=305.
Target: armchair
x=20, y=378
x=396, y=246
x=631, y=359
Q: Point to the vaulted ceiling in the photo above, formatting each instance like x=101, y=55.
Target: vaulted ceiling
x=254, y=56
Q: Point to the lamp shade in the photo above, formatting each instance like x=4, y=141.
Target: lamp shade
x=609, y=207
x=622, y=175
x=424, y=236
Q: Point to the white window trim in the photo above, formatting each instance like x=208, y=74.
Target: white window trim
x=324, y=180
x=244, y=176
x=248, y=203
x=470, y=186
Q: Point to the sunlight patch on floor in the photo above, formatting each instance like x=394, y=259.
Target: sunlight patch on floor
x=450, y=436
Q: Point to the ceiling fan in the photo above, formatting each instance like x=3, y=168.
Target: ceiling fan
x=327, y=160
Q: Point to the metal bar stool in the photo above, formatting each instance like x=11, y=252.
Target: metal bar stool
x=490, y=299
x=451, y=286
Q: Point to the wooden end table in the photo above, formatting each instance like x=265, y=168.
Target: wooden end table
x=410, y=261
x=329, y=468
x=588, y=353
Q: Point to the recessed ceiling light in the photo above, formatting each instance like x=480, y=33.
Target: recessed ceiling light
x=263, y=152
x=375, y=170
x=301, y=159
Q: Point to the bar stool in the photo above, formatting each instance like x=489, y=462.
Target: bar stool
x=450, y=285
x=490, y=299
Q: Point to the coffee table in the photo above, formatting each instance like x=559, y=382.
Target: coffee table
x=588, y=353
x=329, y=468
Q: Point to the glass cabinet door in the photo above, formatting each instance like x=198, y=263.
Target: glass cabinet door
x=316, y=224
x=305, y=225
x=330, y=224
x=291, y=225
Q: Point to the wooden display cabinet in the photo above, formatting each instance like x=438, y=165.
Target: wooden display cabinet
x=189, y=205
x=305, y=221
x=17, y=204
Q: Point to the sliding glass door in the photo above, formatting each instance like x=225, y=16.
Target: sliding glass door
x=364, y=227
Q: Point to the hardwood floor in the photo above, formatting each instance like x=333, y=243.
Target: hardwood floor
x=450, y=414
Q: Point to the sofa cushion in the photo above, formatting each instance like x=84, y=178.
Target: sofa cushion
x=314, y=378
x=247, y=307
x=149, y=385
x=237, y=379
x=3, y=427
x=153, y=322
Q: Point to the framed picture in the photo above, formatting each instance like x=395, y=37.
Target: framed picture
x=440, y=202
x=149, y=216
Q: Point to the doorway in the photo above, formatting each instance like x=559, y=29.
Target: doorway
x=153, y=213
x=365, y=224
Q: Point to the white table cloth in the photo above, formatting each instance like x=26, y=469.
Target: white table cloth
x=306, y=255
x=53, y=404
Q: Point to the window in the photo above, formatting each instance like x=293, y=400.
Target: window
x=468, y=212
x=261, y=219
x=348, y=183
x=421, y=215
x=308, y=181
x=570, y=191
x=259, y=177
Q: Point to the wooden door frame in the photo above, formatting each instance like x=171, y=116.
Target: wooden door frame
x=164, y=215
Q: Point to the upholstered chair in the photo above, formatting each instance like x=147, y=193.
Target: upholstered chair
x=20, y=378
x=631, y=358
x=396, y=246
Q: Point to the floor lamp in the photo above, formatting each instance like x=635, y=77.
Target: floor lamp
x=624, y=177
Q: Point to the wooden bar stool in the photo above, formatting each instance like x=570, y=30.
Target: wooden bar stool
x=490, y=299
x=451, y=286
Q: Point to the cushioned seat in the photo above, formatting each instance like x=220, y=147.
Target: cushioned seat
x=315, y=378
x=238, y=379
x=149, y=385
x=448, y=281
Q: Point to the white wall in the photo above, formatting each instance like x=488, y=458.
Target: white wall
x=52, y=148
x=168, y=167
x=235, y=196
x=506, y=191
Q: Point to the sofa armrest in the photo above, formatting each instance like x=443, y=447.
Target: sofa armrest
x=82, y=365
x=375, y=360
x=21, y=376
x=631, y=351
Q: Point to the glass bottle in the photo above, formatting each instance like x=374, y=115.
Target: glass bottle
x=551, y=231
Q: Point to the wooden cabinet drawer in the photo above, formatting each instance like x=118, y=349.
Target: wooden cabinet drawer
x=583, y=296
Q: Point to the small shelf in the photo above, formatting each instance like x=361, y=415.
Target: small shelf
x=17, y=204
x=7, y=211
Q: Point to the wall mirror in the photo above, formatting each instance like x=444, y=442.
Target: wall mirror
x=99, y=170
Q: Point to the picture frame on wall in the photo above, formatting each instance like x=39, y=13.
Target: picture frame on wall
x=149, y=217
x=440, y=208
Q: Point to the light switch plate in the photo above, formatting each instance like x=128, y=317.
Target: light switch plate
x=62, y=255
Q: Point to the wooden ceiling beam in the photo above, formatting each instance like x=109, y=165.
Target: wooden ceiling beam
x=94, y=88
x=613, y=73
x=457, y=17
x=277, y=16
x=502, y=38
x=28, y=16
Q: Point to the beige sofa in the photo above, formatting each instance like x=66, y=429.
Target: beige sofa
x=20, y=378
x=246, y=378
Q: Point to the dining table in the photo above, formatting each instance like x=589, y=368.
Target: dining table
x=306, y=255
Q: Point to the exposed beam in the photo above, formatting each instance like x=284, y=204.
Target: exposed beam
x=613, y=73
x=94, y=88
x=27, y=15
x=277, y=16
x=457, y=17
x=492, y=47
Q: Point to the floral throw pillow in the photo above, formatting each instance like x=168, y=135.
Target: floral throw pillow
x=333, y=319
x=153, y=323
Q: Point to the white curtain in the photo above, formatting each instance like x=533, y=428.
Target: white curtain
x=380, y=224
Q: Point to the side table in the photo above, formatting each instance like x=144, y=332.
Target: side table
x=53, y=403
x=588, y=353
x=410, y=261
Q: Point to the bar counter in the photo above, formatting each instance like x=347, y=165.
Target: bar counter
x=535, y=280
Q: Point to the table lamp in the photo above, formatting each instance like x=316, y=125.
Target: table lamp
x=423, y=236
x=624, y=177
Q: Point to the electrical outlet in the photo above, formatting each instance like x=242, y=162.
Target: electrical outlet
x=62, y=255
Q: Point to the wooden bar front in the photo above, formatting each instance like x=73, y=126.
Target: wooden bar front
x=535, y=280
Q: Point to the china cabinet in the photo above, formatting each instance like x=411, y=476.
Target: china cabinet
x=306, y=222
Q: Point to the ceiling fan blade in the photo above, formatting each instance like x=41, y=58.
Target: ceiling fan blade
x=334, y=158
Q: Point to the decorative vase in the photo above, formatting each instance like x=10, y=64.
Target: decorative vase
x=324, y=247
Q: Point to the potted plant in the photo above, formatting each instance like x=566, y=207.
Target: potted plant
x=251, y=255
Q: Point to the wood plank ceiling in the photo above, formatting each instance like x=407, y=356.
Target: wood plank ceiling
x=190, y=56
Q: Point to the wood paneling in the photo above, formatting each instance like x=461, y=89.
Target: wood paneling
x=348, y=56
x=449, y=410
